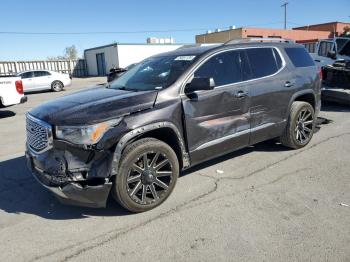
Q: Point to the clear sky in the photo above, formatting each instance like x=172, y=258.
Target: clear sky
x=144, y=15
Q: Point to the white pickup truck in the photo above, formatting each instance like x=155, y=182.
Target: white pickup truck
x=11, y=91
x=327, y=51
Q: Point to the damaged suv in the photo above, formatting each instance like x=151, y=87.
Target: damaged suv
x=132, y=137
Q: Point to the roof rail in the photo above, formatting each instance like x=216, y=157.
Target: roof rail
x=258, y=39
x=198, y=45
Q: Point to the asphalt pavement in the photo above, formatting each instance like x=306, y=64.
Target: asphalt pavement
x=262, y=203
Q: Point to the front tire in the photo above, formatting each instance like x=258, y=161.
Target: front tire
x=147, y=175
x=57, y=86
x=300, y=126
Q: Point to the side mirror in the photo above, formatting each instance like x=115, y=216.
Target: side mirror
x=200, y=83
x=332, y=55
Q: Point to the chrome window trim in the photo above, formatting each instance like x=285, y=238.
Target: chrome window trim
x=49, y=134
x=190, y=74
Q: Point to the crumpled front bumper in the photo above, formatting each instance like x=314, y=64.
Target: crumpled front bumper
x=70, y=192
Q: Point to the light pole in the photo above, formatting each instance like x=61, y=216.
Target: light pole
x=285, y=14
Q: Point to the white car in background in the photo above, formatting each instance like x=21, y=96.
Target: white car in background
x=36, y=80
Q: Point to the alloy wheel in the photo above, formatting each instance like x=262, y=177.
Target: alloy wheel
x=149, y=178
x=304, y=126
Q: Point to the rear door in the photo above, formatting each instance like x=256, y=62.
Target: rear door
x=270, y=86
x=28, y=80
x=217, y=121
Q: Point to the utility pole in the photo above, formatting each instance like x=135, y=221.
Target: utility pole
x=285, y=14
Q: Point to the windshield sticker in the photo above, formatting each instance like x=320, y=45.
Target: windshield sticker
x=185, y=58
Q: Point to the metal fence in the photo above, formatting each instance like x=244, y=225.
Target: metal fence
x=76, y=68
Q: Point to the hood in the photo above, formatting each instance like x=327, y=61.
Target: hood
x=93, y=105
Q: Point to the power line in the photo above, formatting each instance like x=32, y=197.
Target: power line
x=99, y=33
x=122, y=32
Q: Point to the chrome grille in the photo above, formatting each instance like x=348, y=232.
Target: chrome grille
x=39, y=134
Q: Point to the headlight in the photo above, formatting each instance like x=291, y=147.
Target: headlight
x=85, y=135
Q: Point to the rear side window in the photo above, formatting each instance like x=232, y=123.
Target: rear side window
x=299, y=57
x=224, y=68
x=263, y=61
x=324, y=48
x=27, y=75
x=41, y=73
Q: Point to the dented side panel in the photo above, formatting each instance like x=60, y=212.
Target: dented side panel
x=213, y=115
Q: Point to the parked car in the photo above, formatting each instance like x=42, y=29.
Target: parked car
x=36, y=80
x=327, y=51
x=333, y=56
x=168, y=113
x=116, y=72
x=11, y=91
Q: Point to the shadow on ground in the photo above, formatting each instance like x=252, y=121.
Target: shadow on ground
x=6, y=114
x=334, y=107
x=21, y=193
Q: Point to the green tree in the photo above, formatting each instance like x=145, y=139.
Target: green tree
x=71, y=52
x=346, y=31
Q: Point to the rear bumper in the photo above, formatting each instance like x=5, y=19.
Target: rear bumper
x=70, y=192
x=337, y=95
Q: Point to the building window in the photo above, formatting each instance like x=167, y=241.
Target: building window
x=255, y=36
x=274, y=36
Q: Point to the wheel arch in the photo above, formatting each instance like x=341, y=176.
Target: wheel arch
x=163, y=131
x=57, y=80
x=308, y=96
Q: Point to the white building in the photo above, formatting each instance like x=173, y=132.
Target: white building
x=99, y=60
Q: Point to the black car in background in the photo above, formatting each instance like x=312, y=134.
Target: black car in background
x=170, y=112
x=116, y=72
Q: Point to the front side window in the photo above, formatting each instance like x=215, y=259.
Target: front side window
x=41, y=73
x=153, y=73
x=263, y=61
x=224, y=68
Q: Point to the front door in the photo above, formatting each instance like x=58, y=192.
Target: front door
x=217, y=121
x=101, y=65
x=42, y=79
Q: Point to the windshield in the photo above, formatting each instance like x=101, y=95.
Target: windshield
x=153, y=73
x=341, y=42
x=345, y=50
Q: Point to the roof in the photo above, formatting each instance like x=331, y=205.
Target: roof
x=328, y=23
x=200, y=49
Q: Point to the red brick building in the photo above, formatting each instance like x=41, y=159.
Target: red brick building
x=306, y=34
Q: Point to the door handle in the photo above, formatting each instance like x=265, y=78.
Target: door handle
x=288, y=84
x=241, y=94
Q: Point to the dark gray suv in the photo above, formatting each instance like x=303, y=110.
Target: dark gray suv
x=132, y=137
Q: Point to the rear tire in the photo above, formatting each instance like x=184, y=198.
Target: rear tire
x=147, y=175
x=57, y=86
x=300, y=126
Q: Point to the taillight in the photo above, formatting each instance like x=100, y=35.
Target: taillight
x=321, y=73
x=19, y=87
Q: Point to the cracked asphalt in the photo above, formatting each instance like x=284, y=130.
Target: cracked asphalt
x=268, y=204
